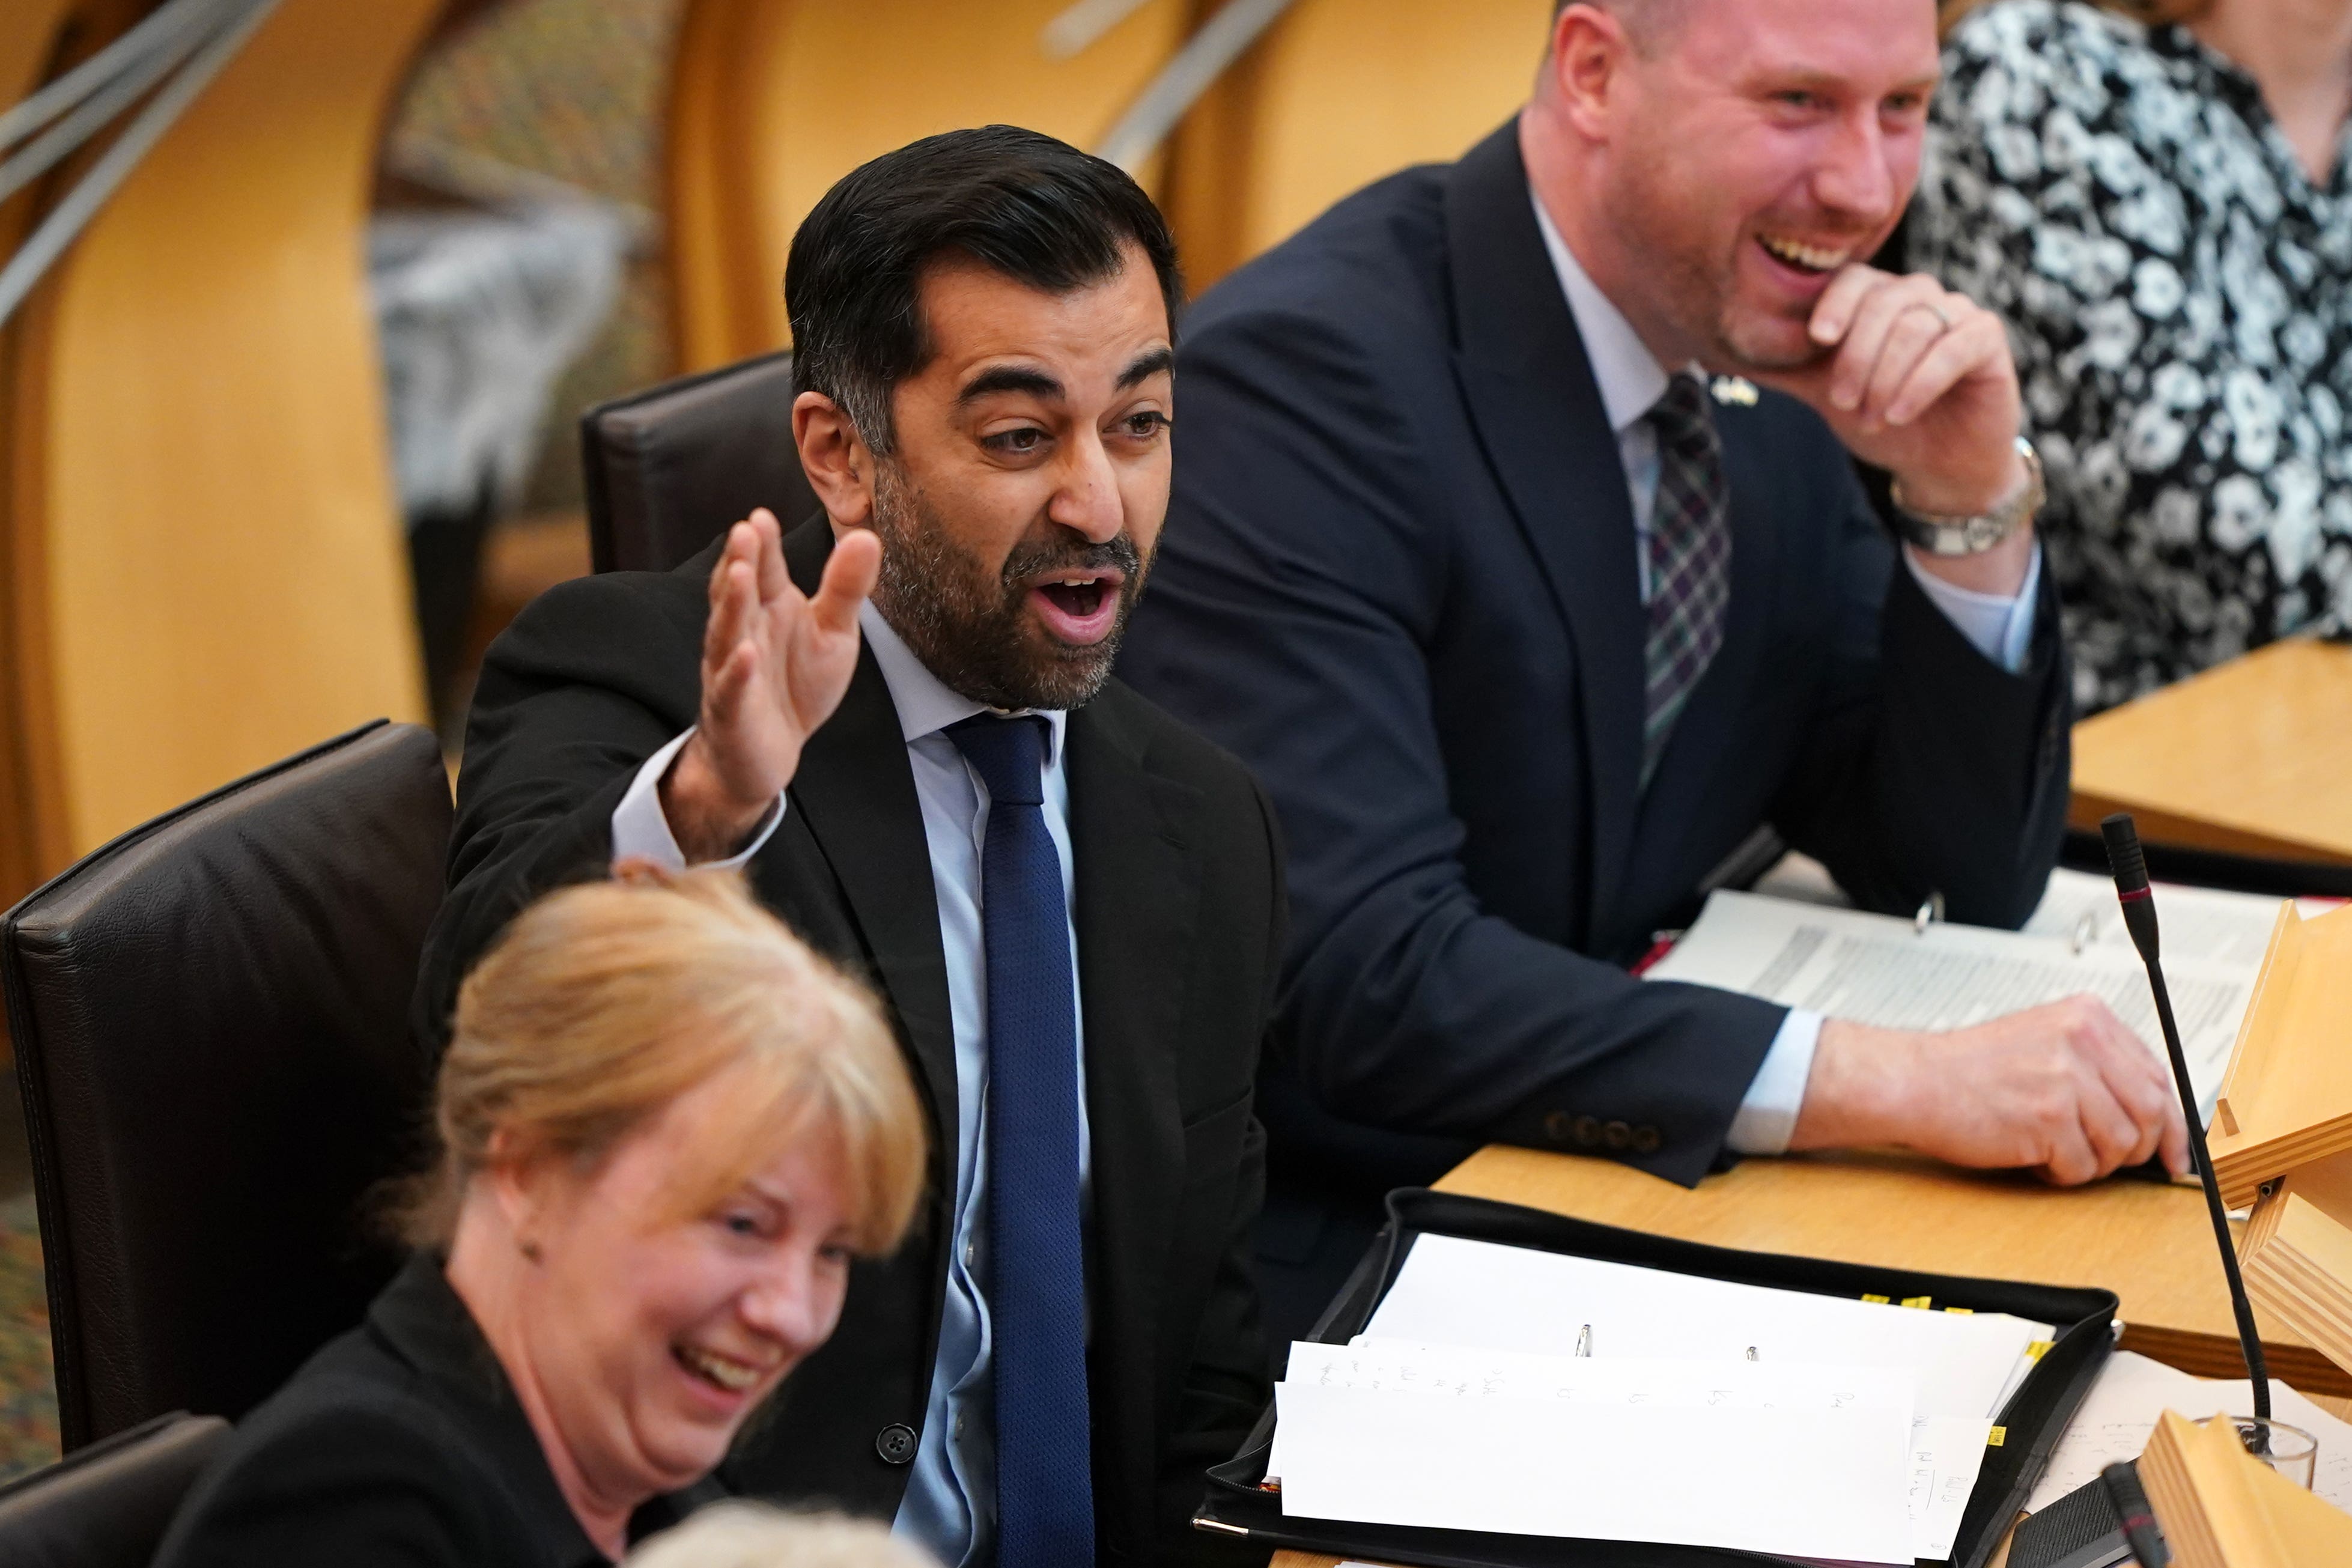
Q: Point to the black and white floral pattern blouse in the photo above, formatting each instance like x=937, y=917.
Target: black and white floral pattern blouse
x=2179, y=296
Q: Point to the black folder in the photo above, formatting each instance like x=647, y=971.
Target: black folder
x=2033, y=1419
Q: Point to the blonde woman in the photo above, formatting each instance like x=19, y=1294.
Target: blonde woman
x=666, y=1128
x=2156, y=196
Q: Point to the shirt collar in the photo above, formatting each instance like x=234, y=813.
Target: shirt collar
x=926, y=704
x=1630, y=378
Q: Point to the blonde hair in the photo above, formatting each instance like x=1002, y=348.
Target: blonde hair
x=748, y=1535
x=604, y=1002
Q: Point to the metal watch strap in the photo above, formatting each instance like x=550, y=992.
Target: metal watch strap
x=1946, y=533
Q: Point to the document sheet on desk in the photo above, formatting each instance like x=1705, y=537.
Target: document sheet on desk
x=1455, y=1291
x=1877, y=970
x=1941, y=1457
x=1806, y=1461
x=2118, y=1416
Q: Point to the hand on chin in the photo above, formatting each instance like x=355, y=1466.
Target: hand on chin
x=1915, y=379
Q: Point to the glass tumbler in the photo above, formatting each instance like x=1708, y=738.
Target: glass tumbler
x=2289, y=1451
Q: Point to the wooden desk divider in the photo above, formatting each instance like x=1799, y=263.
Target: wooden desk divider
x=2281, y=1135
x=2287, y=1099
x=2221, y=1507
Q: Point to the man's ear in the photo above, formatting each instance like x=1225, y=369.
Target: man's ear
x=839, y=465
x=1589, y=49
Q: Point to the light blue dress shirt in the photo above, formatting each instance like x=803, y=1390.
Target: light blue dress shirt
x=1631, y=381
x=951, y=1503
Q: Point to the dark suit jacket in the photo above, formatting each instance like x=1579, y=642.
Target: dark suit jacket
x=1179, y=916
x=400, y=1443
x=1398, y=579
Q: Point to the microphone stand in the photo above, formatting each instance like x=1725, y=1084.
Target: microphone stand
x=2130, y=868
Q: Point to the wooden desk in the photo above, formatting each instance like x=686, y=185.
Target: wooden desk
x=2150, y=1244
x=2254, y=757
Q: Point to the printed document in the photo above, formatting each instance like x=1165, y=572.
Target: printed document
x=1874, y=969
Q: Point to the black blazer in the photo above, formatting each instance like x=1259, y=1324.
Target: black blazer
x=1398, y=579
x=400, y=1444
x=1179, y=916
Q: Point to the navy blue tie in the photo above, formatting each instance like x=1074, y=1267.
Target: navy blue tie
x=1036, y=1272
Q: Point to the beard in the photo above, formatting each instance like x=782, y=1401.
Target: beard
x=970, y=626
x=1695, y=289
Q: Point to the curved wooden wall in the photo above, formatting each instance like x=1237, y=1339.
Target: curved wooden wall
x=772, y=100
x=208, y=571
x=1338, y=93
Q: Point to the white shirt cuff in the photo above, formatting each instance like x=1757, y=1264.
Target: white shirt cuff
x=1999, y=628
x=640, y=830
x=1768, y=1116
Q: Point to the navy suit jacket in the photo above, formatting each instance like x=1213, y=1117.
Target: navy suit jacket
x=1398, y=579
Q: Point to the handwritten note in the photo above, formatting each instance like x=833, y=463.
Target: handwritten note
x=1819, y=1482
x=2117, y=1416
x=1453, y=1291
x=1941, y=1457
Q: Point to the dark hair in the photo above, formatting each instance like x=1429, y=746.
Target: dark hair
x=1018, y=203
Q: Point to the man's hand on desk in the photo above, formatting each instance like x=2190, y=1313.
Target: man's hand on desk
x=2063, y=1089
x=775, y=664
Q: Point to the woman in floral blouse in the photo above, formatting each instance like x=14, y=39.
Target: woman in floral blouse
x=2162, y=210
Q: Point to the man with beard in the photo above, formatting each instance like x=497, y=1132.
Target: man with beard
x=1529, y=624
x=1070, y=903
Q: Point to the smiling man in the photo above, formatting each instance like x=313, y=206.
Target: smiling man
x=1530, y=624
x=1070, y=903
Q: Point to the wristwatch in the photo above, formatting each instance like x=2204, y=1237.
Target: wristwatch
x=1949, y=533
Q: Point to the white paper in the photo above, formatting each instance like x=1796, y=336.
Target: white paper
x=1946, y=1454
x=1943, y=1456
x=2117, y=1417
x=1808, y=1483
x=1452, y=1292
x=1877, y=970
x=2196, y=923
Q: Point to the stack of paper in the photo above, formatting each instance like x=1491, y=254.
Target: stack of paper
x=1703, y=1413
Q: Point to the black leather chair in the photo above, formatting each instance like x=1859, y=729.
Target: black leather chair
x=210, y=1017
x=108, y=1505
x=670, y=468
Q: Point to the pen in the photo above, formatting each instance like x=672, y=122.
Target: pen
x=1584, y=1340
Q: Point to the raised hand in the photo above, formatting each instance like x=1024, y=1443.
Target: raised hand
x=2063, y=1089
x=1919, y=380
x=775, y=663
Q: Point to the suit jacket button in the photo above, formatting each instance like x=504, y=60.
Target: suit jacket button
x=896, y=1443
x=1619, y=1134
x=1645, y=1140
x=1557, y=1126
x=1588, y=1133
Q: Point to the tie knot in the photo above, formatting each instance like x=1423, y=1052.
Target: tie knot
x=1009, y=754
x=1681, y=417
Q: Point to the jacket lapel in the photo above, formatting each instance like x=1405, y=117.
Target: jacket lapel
x=1539, y=418
x=855, y=794
x=1131, y=834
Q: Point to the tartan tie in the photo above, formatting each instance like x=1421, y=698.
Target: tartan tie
x=1690, y=560
x=1036, y=1272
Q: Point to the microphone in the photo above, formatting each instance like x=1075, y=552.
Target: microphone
x=2138, y=901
